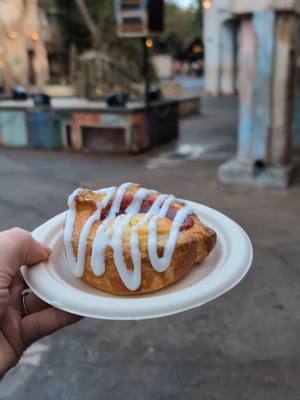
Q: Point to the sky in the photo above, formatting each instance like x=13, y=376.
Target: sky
x=184, y=3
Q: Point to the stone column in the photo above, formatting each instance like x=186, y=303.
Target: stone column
x=266, y=71
x=212, y=41
x=283, y=90
x=296, y=122
x=227, y=58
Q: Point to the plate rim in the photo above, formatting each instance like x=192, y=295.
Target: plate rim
x=180, y=301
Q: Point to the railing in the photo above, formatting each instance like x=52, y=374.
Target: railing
x=96, y=74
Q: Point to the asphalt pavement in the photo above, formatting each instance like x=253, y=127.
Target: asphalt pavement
x=242, y=346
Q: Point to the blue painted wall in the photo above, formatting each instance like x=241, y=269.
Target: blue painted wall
x=264, y=28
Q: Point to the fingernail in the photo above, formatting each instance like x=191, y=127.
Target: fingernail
x=47, y=250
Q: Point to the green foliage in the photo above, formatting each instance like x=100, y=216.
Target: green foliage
x=128, y=52
x=181, y=25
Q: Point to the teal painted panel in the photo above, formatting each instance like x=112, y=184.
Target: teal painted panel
x=113, y=119
x=256, y=73
x=264, y=28
x=42, y=132
x=13, y=128
x=63, y=127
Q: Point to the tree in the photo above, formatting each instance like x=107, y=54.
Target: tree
x=86, y=17
x=91, y=24
x=181, y=25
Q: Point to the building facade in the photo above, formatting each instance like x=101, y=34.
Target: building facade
x=252, y=45
x=23, y=55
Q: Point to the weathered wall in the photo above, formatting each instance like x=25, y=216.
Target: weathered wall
x=267, y=82
x=20, y=34
x=219, y=40
x=248, y=6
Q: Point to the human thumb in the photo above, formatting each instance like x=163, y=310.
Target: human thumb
x=17, y=247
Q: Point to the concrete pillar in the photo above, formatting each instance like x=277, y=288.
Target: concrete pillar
x=283, y=89
x=227, y=58
x=246, y=78
x=219, y=40
x=212, y=43
x=296, y=124
x=296, y=121
x=266, y=69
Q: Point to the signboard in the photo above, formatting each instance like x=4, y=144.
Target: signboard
x=139, y=18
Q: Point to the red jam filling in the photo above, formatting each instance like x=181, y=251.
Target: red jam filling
x=145, y=206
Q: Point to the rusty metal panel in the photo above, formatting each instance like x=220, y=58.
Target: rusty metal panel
x=109, y=131
x=139, y=138
x=80, y=119
x=97, y=138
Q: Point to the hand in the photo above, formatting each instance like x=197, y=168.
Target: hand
x=18, y=331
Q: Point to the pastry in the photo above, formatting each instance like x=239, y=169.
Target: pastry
x=130, y=240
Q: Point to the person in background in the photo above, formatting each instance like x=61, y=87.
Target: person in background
x=24, y=318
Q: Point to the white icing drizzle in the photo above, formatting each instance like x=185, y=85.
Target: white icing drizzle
x=110, y=231
x=77, y=266
x=160, y=264
x=68, y=231
x=135, y=205
x=115, y=207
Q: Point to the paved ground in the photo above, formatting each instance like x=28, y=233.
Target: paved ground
x=243, y=346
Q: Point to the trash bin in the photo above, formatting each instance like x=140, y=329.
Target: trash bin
x=42, y=132
x=153, y=126
x=168, y=122
x=163, y=122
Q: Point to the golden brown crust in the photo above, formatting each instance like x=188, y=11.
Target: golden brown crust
x=192, y=247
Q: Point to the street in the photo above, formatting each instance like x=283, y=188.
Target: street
x=243, y=346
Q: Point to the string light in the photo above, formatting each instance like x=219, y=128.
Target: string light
x=197, y=49
x=149, y=43
x=207, y=4
x=35, y=36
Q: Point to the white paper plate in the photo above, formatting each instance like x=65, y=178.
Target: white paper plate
x=221, y=271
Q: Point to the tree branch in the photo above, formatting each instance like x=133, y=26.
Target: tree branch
x=87, y=18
